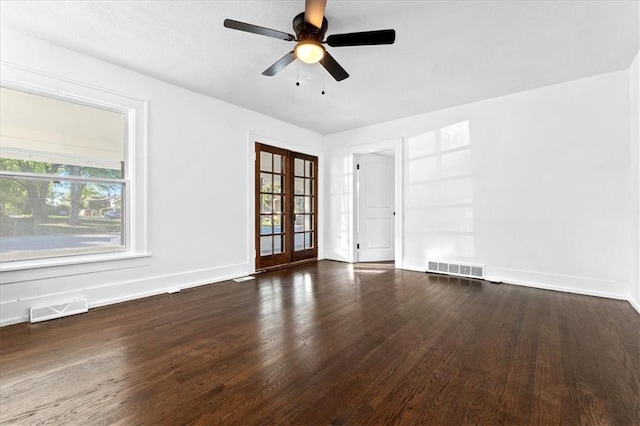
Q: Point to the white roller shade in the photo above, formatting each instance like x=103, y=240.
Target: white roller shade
x=39, y=128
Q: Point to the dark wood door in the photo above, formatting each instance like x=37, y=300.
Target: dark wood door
x=286, y=206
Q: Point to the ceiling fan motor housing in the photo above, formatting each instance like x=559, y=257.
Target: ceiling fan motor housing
x=306, y=31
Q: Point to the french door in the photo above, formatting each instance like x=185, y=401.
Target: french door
x=286, y=206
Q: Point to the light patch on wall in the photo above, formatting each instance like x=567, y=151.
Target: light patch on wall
x=439, y=216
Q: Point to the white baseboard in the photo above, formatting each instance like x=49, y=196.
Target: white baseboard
x=16, y=311
x=335, y=255
x=544, y=281
x=558, y=282
x=414, y=264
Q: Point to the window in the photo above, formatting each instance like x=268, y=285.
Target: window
x=68, y=184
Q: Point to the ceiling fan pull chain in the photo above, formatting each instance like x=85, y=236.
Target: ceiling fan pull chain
x=297, y=74
x=323, y=83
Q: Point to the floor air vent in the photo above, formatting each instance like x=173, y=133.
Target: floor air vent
x=471, y=271
x=44, y=313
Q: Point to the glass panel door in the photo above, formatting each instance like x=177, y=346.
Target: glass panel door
x=305, y=170
x=271, y=214
x=286, y=206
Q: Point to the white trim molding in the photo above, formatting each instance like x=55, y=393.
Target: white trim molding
x=557, y=282
x=17, y=310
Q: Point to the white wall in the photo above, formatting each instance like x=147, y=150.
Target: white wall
x=199, y=152
x=634, y=149
x=540, y=195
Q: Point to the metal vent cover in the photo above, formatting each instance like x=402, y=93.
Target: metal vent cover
x=471, y=271
x=43, y=313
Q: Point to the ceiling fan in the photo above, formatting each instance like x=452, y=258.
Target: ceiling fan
x=310, y=27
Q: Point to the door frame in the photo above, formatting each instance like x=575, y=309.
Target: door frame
x=396, y=145
x=252, y=138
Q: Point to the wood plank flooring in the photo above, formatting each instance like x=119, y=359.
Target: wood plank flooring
x=330, y=343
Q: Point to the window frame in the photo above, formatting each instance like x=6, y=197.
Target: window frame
x=135, y=169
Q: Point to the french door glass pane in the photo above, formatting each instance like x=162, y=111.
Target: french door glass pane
x=277, y=204
x=298, y=186
x=308, y=240
x=266, y=159
x=298, y=243
x=278, y=244
x=266, y=246
x=278, y=223
x=277, y=184
x=266, y=205
x=308, y=168
x=266, y=225
x=265, y=182
x=277, y=163
x=298, y=167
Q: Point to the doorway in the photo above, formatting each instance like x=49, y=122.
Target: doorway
x=286, y=206
x=392, y=148
x=375, y=206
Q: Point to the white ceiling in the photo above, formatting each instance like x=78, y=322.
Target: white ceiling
x=446, y=53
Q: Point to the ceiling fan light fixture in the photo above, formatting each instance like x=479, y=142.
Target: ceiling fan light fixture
x=309, y=51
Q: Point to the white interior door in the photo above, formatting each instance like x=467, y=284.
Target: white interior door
x=375, y=207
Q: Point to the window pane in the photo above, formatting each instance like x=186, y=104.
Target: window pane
x=44, y=218
x=298, y=243
x=278, y=244
x=265, y=205
x=308, y=222
x=308, y=187
x=277, y=184
x=266, y=247
x=277, y=224
x=298, y=204
x=42, y=129
x=308, y=204
x=298, y=186
x=298, y=167
x=308, y=168
x=277, y=204
x=265, y=225
x=298, y=225
x=265, y=161
x=277, y=163
x=265, y=182
x=308, y=240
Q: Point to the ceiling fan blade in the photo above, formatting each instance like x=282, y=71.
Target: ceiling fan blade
x=250, y=28
x=314, y=12
x=365, y=38
x=333, y=67
x=280, y=64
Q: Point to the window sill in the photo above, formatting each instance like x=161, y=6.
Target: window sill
x=40, y=269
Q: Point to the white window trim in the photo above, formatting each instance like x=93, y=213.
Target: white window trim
x=29, y=80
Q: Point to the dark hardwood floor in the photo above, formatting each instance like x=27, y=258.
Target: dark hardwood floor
x=330, y=343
